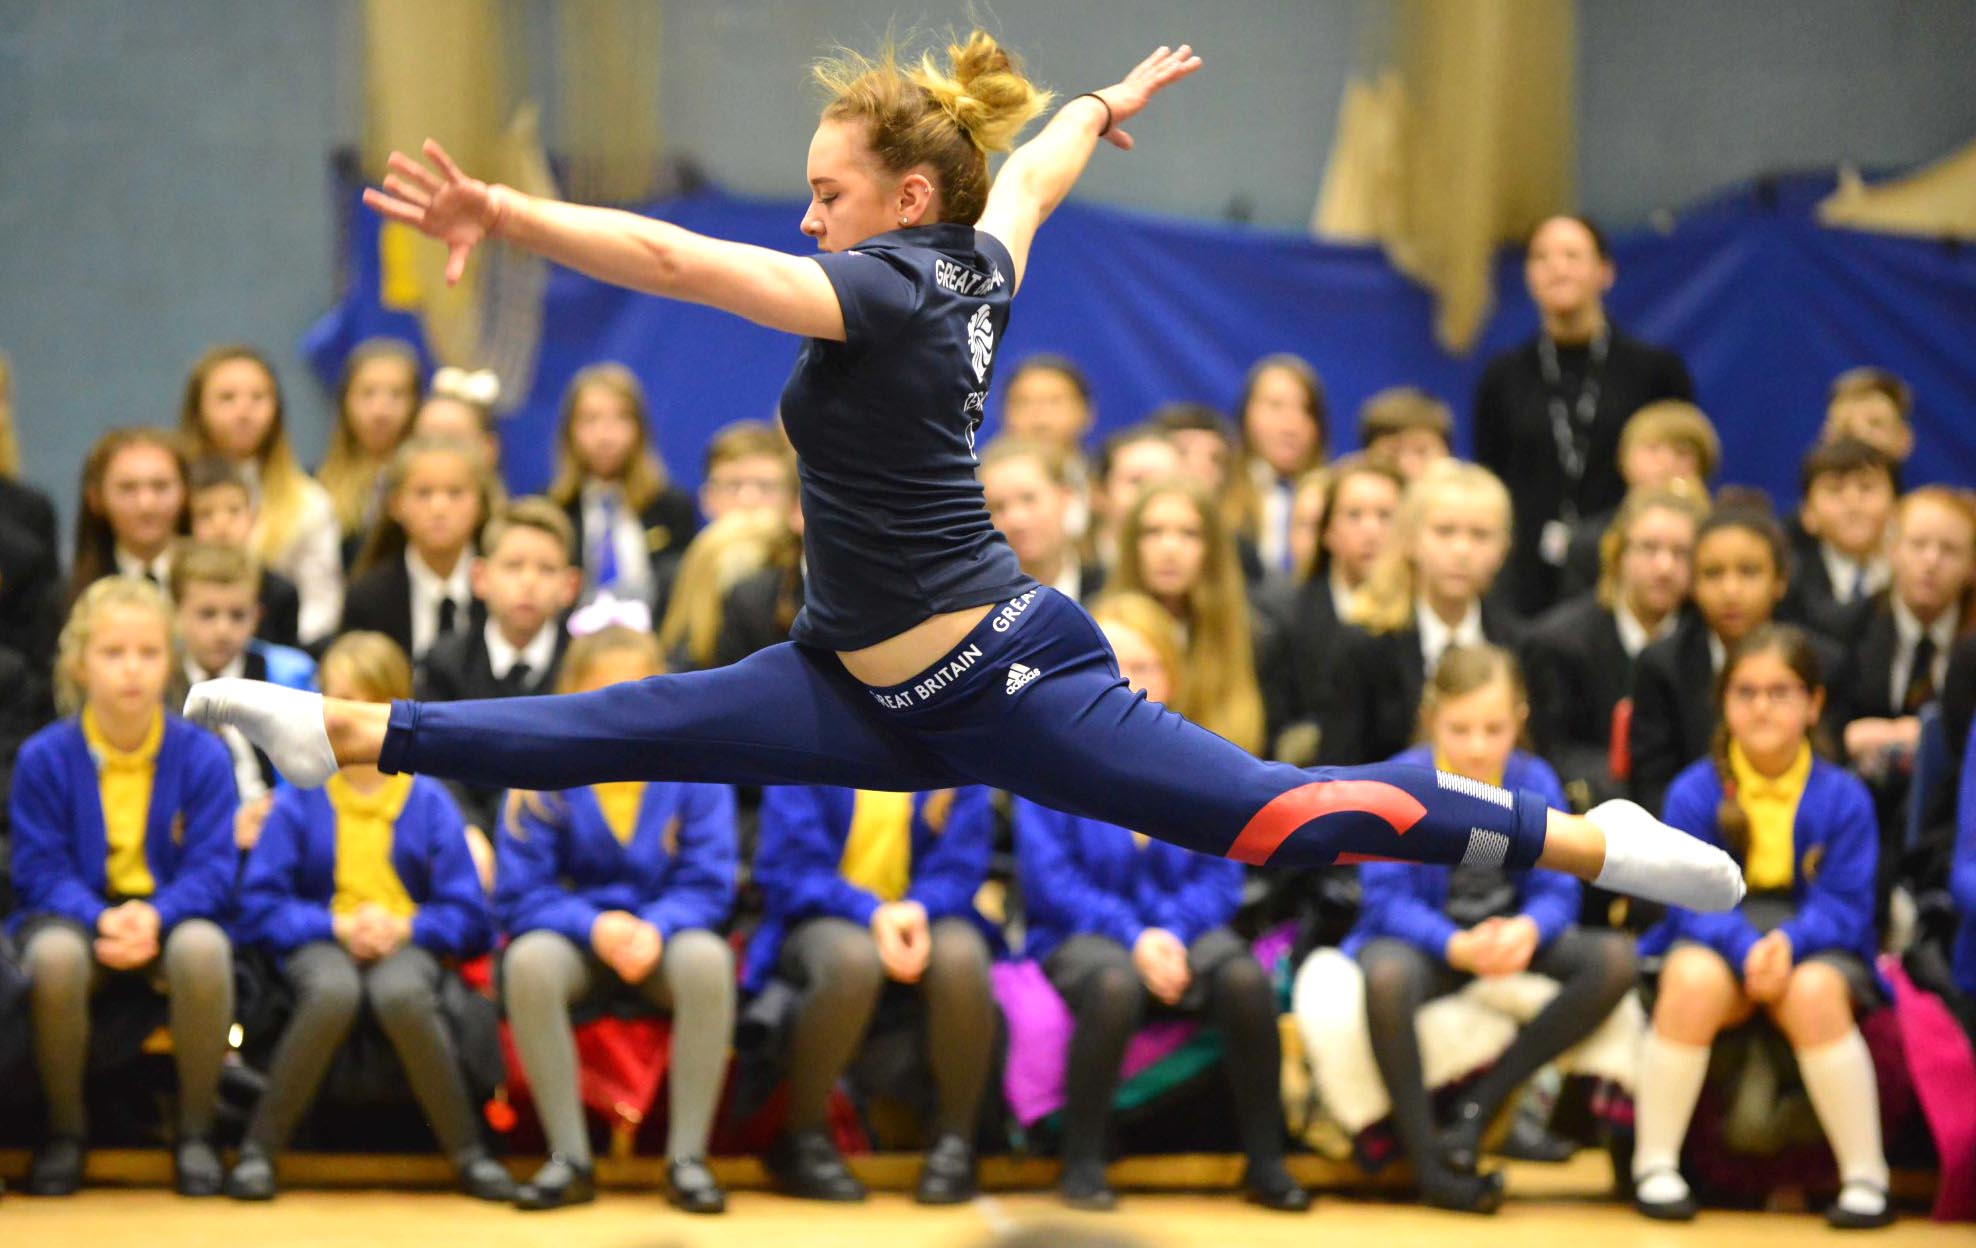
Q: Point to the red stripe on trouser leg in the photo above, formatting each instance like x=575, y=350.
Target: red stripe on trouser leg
x=1293, y=808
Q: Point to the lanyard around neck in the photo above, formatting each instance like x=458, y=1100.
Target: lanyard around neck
x=1571, y=423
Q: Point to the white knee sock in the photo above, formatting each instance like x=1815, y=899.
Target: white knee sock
x=1671, y=1075
x=1839, y=1079
x=285, y=723
x=1646, y=858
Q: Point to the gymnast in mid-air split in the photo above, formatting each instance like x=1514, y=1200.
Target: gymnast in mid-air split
x=924, y=657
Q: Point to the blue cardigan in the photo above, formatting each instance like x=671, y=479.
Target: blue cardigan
x=559, y=865
x=800, y=845
x=1408, y=901
x=1836, y=848
x=1085, y=877
x=1962, y=877
x=291, y=874
x=60, y=846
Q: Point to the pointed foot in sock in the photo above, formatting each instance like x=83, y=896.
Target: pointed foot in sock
x=1648, y=859
x=286, y=724
x=1085, y=1187
x=692, y=1188
x=1272, y=1187
x=252, y=1177
x=1462, y=1193
x=1860, y=1207
x=562, y=1180
x=1664, y=1196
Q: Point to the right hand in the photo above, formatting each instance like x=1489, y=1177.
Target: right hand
x=611, y=934
x=448, y=205
x=905, y=942
x=1161, y=961
x=1129, y=96
x=249, y=820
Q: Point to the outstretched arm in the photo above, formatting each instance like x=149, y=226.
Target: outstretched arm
x=1037, y=175
x=768, y=287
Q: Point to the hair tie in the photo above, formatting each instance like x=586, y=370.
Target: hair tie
x=607, y=610
x=481, y=387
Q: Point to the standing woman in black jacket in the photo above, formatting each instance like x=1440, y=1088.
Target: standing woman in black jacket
x=30, y=563
x=1548, y=412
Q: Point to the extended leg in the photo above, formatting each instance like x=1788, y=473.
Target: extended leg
x=784, y=715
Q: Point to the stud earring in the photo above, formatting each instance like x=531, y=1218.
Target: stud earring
x=902, y=221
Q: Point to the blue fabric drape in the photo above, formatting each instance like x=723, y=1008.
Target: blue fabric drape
x=1766, y=306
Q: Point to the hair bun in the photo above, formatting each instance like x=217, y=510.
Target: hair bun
x=983, y=90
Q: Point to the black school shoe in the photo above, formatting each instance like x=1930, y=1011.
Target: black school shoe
x=948, y=1175
x=484, y=1178
x=1085, y=1187
x=1462, y=1193
x=1848, y=1220
x=1272, y=1187
x=252, y=1177
x=561, y=1181
x=1682, y=1210
x=692, y=1188
x=196, y=1168
x=57, y=1167
x=806, y=1165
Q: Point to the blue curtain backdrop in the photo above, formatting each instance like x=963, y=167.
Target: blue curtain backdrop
x=1764, y=303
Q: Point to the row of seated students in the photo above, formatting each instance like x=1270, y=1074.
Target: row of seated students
x=365, y=891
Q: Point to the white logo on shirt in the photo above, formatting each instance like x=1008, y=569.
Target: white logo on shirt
x=1020, y=675
x=980, y=341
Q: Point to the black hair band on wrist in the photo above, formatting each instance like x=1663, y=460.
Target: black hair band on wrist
x=1093, y=95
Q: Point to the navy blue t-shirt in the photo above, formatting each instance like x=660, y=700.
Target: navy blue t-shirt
x=894, y=527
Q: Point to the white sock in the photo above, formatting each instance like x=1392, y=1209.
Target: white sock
x=285, y=723
x=1839, y=1079
x=1646, y=858
x=1671, y=1075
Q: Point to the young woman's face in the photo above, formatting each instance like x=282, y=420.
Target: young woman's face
x=127, y=660
x=438, y=504
x=1043, y=405
x=142, y=498
x=1933, y=558
x=236, y=408
x=604, y=430
x=1139, y=662
x=1737, y=581
x=1767, y=707
x=379, y=404
x=1563, y=268
x=1361, y=524
x=1135, y=466
x=1027, y=507
x=1851, y=510
x=1474, y=734
x=1173, y=546
x=849, y=199
x=1460, y=547
x=614, y=667
x=1657, y=563
x=1278, y=422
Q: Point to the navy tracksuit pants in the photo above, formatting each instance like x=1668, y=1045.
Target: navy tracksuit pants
x=1030, y=701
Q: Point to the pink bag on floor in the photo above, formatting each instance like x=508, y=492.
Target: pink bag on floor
x=1943, y=1069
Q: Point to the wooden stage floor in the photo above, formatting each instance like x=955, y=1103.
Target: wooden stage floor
x=1552, y=1207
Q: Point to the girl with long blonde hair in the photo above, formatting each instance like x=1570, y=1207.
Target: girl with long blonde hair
x=375, y=400
x=232, y=408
